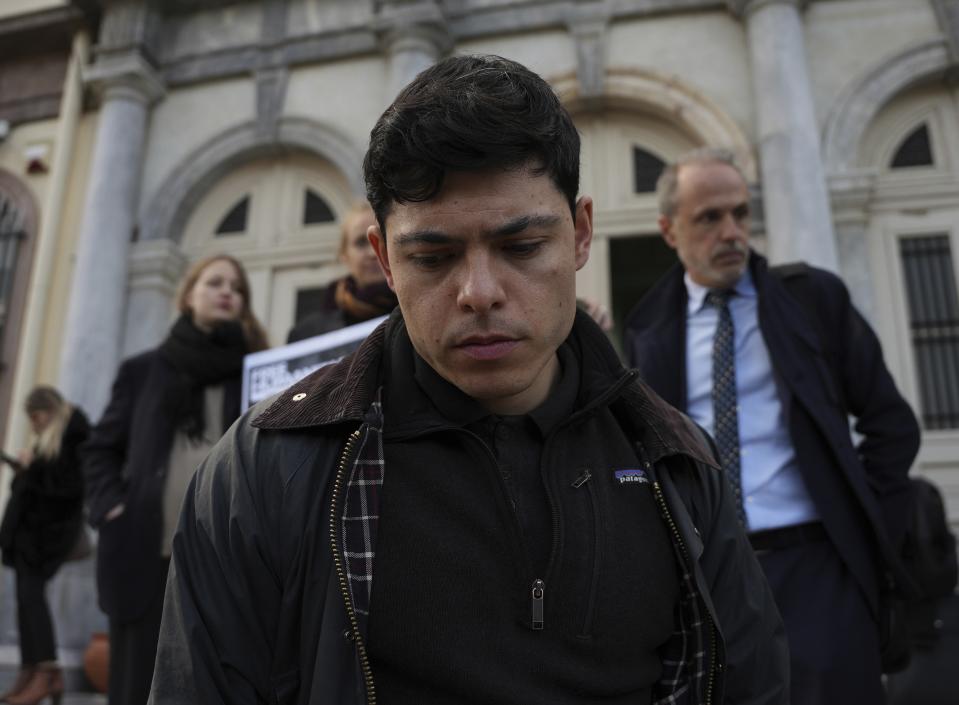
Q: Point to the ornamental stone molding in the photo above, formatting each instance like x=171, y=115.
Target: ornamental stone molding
x=588, y=23
x=645, y=91
x=156, y=265
x=129, y=25
x=947, y=12
x=401, y=21
x=271, y=87
x=128, y=75
x=862, y=100
x=167, y=211
x=414, y=35
x=850, y=194
x=744, y=8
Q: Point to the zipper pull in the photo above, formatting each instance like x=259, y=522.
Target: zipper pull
x=539, y=589
x=582, y=479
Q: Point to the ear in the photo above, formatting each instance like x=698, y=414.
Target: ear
x=583, y=224
x=377, y=240
x=666, y=228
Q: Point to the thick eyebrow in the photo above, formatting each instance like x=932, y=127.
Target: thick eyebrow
x=512, y=227
x=423, y=237
x=518, y=225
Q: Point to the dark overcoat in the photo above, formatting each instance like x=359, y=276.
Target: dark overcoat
x=125, y=462
x=44, y=515
x=829, y=366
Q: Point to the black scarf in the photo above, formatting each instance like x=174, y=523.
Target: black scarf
x=361, y=303
x=201, y=360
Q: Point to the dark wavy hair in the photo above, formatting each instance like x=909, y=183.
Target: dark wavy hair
x=469, y=113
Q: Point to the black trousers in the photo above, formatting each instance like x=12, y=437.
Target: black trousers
x=133, y=651
x=833, y=637
x=33, y=617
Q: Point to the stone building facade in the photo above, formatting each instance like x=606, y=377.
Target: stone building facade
x=139, y=135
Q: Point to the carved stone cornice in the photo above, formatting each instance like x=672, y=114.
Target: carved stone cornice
x=128, y=74
x=743, y=8
x=130, y=25
x=400, y=22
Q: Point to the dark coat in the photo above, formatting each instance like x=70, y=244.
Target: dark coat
x=327, y=318
x=125, y=461
x=255, y=609
x=44, y=516
x=828, y=369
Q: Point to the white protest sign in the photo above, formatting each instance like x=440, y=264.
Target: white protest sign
x=270, y=371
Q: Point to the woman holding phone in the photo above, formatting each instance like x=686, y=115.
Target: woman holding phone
x=40, y=528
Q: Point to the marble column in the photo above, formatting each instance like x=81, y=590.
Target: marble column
x=415, y=36
x=95, y=317
x=795, y=196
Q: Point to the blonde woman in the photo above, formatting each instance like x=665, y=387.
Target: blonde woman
x=360, y=295
x=168, y=407
x=41, y=525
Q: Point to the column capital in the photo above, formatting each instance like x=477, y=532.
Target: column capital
x=127, y=75
x=744, y=8
x=404, y=24
x=156, y=265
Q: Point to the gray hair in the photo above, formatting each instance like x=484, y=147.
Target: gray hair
x=668, y=182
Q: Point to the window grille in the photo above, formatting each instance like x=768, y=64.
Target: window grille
x=12, y=233
x=934, y=322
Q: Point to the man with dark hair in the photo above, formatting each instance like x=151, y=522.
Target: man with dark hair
x=773, y=362
x=480, y=505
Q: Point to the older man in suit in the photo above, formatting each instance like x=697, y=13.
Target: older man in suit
x=773, y=362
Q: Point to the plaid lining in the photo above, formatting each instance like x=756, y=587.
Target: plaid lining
x=361, y=507
x=685, y=658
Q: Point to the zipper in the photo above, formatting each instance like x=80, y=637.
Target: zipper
x=345, y=461
x=538, y=593
x=538, y=584
x=584, y=481
x=664, y=510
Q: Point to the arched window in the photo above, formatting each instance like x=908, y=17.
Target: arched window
x=316, y=209
x=234, y=222
x=915, y=150
x=646, y=170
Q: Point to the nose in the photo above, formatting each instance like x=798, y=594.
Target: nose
x=479, y=289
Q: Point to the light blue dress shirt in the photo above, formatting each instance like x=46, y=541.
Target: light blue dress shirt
x=774, y=493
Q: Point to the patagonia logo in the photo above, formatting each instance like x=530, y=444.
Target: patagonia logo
x=626, y=476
